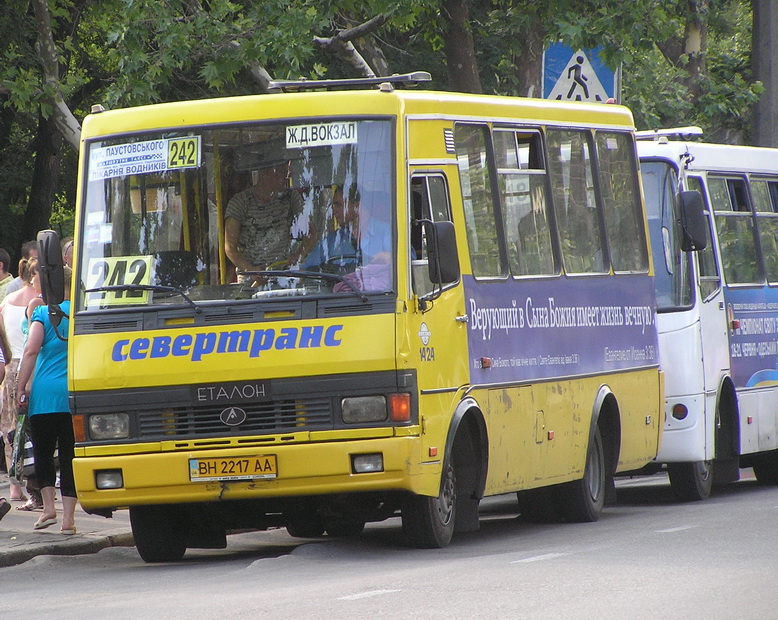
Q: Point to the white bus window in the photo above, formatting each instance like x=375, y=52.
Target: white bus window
x=768, y=235
x=735, y=227
x=738, y=249
x=482, y=236
x=710, y=279
x=575, y=206
x=728, y=194
x=522, y=185
x=761, y=196
x=764, y=193
x=621, y=202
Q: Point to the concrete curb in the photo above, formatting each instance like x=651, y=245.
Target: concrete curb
x=78, y=545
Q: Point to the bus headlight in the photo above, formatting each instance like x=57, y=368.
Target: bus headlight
x=109, y=479
x=364, y=409
x=367, y=463
x=109, y=426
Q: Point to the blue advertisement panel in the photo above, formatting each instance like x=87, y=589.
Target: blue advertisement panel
x=525, y=330
x=752, y=320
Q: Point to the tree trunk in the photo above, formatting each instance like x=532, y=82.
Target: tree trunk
x=529, y=66
x=695, y=48
x=45, y=178
x=764, y=65
x=49, y=59
x=460, y=48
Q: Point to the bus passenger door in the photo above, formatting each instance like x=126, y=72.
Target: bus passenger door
x=438, y=328
x=713, y=326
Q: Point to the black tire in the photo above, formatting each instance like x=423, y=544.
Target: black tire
x=766, y=469
x=691, y=482
x=157, y=532
x=582, y=500
x=429, y=521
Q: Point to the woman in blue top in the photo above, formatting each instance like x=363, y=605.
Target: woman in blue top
x=42, y=387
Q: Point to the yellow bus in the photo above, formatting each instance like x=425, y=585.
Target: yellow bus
x=349, y=301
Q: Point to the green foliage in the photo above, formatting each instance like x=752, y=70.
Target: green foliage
x=132, y=52
x=654, y=88
x=172, y=49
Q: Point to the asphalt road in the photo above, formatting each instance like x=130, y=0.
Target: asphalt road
x=649, y=557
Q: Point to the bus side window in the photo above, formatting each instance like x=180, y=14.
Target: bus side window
x=621, y=202
x=575, y=206
x=765, y=196
x=429, y=201
x=522, y=182
x=486, y=256
x=735, y=227
x=417, y=230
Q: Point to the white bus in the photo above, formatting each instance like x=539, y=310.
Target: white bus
x=717, y=309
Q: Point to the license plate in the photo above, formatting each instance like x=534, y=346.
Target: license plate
x=233, y=468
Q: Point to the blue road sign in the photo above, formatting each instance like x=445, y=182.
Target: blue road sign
x=577, y=75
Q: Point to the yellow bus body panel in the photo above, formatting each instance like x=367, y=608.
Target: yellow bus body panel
x=93, y=366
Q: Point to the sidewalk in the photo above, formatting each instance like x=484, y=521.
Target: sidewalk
x=19, y=542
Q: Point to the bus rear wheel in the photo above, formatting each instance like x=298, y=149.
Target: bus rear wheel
x=429, y=521
x=691, y=482
x=158, y=537
x=766, y=468
x=583, y=499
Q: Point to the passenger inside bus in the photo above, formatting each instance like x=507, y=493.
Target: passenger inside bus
x=257, y=224
x=338, y=250
x=374, y=245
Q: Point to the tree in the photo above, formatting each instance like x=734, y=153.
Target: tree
x=48, y=71
x=764, y=64
x=684, y=61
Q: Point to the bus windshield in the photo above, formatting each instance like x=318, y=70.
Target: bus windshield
x=244, y=211
x=671, y=265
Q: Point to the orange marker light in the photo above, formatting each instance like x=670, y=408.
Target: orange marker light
x=400, y=407
x=79, y=428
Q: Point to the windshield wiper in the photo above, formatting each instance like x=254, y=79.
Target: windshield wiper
x=145, y=287
x=292, y=273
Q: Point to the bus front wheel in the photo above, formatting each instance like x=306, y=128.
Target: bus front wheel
x=691, y=482
x=158, y=537
x=429, y=521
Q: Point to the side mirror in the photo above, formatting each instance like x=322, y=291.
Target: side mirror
x=50, y=266
x=694, y=224
x=442, y=247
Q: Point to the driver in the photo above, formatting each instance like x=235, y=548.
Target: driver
x=258, y=221
x=338, y=249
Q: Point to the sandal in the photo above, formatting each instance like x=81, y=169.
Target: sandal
x=42, y=524
x=30, y=506
x=23, y=498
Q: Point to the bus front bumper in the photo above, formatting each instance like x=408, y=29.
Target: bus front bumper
x=301, y=469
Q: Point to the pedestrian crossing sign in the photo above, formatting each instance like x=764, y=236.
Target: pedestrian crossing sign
x=577, y=75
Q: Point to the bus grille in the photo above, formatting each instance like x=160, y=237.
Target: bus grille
x=293, y=415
